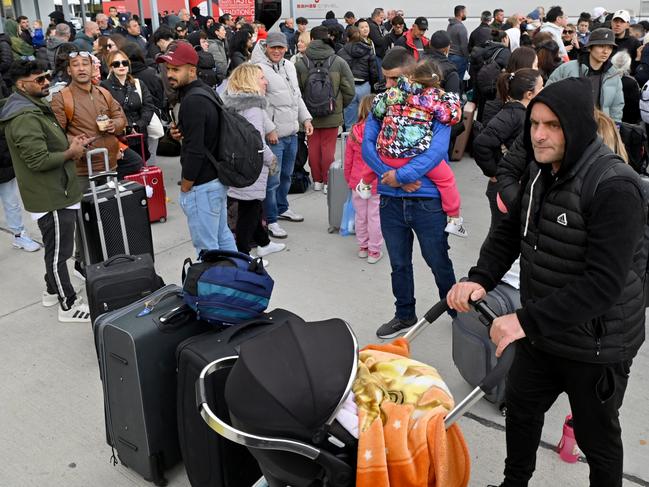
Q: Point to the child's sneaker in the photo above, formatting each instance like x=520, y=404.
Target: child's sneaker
x=455, y=227
x=23, y=241
x=78, y=313
x=364, y=190
x=362, y=253
x=374, y=257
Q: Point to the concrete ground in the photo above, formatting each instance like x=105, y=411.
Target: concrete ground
x=51, y=416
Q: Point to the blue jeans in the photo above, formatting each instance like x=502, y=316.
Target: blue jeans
x=207, y=216
x=351, y=112
x=401, y=220
x=277, y=187
x=10, y=197
x=460, y=63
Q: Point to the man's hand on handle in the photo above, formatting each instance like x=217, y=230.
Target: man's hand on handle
x=505, y=330
x=461, y=293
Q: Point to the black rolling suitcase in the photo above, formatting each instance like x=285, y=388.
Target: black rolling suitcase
x=210, y=460
x=137, y=364
x=473, y=352
x=112, y=214
x=121, y=279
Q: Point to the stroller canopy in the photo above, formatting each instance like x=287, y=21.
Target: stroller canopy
x=291, y=380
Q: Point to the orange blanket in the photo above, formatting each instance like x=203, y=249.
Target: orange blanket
x=401, y=405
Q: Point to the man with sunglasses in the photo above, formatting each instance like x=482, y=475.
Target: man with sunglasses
x=77, y=107
x=44, y=162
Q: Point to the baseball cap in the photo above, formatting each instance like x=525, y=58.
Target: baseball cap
x=182, y=54
x=276, y=39
x=622, y=14
x=440, y=40
x=601, y=37
x=422, y=23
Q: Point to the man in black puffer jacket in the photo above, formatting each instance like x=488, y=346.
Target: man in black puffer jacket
x=437, y=53
x=580, y=231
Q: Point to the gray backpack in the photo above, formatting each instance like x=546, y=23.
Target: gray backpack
x=319, y=96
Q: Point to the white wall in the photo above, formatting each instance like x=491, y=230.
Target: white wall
x=28, y=9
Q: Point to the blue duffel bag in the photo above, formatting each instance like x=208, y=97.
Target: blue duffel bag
x=226, y=287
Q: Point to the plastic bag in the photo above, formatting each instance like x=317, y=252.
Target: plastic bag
x=348, y=222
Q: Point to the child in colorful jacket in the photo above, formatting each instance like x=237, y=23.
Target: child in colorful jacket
x=407, y=112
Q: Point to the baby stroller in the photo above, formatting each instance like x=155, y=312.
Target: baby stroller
x=284, y=391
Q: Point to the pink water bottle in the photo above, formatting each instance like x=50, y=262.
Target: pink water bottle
x=567, y=448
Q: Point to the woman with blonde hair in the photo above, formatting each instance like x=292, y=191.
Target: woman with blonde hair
x=303, y=41
x=246, y=95
x=607, y=130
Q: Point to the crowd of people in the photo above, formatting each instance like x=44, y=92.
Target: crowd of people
x=552, y=97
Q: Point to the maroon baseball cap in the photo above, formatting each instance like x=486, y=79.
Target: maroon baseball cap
x=182, y=53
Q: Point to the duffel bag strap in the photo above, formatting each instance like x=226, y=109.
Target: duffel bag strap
x=185, y=266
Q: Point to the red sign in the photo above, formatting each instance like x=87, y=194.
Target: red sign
x=235, y=8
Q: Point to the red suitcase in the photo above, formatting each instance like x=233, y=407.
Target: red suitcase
x=152, y=179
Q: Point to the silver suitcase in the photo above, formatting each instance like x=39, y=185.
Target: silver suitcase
x=337, y=190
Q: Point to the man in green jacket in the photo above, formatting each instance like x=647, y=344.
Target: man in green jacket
x=44, y=162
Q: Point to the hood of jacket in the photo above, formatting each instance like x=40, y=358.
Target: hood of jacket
x=54, y=42
x=286, y=30
x=57, y=16
x=453, y=21
x=358, y=49
x=579, y=126
x=243, y=101
x=258, y=55
x=552, y=26
x=358, y=130
x=17, y=104
x=11, y=28
x=318, y=50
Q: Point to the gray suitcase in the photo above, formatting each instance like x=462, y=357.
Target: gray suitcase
x=473, y=351
x=337, y=190
x=137, y=364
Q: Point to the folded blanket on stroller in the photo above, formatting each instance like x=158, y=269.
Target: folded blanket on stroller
x=402, y=404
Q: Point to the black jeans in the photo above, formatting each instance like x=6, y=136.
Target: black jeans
x=595, y=392
x=249, y=227
x=57, y=228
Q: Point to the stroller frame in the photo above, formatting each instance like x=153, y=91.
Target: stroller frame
x=337, y=474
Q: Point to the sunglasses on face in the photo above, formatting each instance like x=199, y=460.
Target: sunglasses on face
x=117, y=64
x=41, y=78
x=568, y=32
x=83, y=54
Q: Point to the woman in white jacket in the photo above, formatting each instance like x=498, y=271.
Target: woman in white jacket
x=245, y=95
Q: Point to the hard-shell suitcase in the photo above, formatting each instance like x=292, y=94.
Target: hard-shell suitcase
x=107, y=215
x=137, y=365
x=473, y=351
x=462, y=140
x=152, y=179
x=210, y=460
x=337, y=189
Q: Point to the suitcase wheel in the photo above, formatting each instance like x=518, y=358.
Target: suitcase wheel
x=331, y=230
x=162, y=220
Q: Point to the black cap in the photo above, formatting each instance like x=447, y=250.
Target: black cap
x=440, y=40
x=422, y=23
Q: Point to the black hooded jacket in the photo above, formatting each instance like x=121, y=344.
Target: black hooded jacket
x=361, y=61
x=582, y=266
x=450, y=78
x=501, y=131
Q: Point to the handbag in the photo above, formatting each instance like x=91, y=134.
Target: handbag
x=155, y=129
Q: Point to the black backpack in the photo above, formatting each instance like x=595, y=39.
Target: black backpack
x=240, y=149
x=634, y=138
x=319, y=96
x=488, y=75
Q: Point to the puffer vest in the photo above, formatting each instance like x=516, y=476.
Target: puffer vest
x=553, y=254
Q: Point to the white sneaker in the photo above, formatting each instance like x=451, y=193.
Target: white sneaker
x=271, y=248
x=364, y=190
x=49, y=299
x=317, y=186
x=23, y=241
x=325, y=189
x=374, y=258
x=455, y=227
x=78, y=313
x=362, y=253
x=291, y=216
x=276, y=231
x=265, y=263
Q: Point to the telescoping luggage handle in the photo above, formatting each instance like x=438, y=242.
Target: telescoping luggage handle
x=267, y=443
x=110, y=176
x=492, y=379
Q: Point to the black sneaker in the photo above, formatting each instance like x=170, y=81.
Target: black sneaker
x=395, y=327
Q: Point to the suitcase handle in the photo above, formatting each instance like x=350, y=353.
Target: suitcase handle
x=115, y=258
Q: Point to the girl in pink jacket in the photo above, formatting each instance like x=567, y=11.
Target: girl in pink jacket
x=368, y=222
